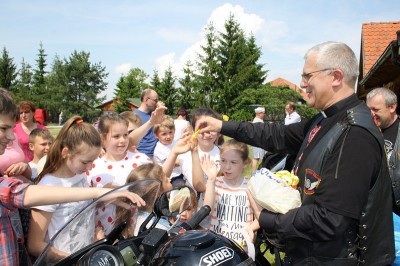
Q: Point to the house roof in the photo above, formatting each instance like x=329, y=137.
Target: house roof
x=375, y=38
x=379, y=56
x=284, y=82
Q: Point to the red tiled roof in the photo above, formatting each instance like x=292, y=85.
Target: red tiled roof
x=284, y=82
x=375, y=37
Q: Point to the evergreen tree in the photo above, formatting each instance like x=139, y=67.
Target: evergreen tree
x=239, y=69
x=155, y=81
x=209, y=70
x=8, y=70
x=38, y=91
x=23, y=84
x=186, y=93
x=57, y=84
x=129, y=86
x=85, y=82
x=167, y=90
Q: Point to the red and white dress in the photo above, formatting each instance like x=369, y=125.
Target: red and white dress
x=115, y=173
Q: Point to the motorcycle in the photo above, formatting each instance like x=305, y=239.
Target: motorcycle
x=183, y=243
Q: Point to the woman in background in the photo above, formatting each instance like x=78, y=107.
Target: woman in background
x=27, y=124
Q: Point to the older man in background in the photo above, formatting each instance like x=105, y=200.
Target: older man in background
x=258, y=153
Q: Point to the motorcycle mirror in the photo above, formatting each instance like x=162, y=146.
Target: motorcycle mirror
x=175, y=202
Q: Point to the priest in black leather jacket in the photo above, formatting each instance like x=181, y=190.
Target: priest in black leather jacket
x=346, y=214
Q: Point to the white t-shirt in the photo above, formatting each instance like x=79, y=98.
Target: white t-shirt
x=161, y=153
x=34, y=170
x=105, y=172
x=185, y=165
x=83, y=233
x=292, y=118
x=180, y=125
x=232, y=210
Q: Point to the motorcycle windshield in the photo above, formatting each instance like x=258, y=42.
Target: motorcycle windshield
x=95, y=222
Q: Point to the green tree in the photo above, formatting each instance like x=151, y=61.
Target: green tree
x=209, y=70
x=155, y=81
x=129, y=86
x=23, y=85
x=239, y=68
x=186, y=94
x=167, y=90
x=85, y=82
x=39, y=91
x=8, y=70
x=57, y=84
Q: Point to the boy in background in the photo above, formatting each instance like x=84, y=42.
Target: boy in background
x=165, y=132
x=39, y=143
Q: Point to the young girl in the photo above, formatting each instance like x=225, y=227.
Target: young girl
x=77, y=145
x=143, y=172
x=112, y=169
x=226, y=195
x=206, y=146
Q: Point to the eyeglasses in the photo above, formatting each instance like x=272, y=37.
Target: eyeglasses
x=305, y=77
x=155, y=100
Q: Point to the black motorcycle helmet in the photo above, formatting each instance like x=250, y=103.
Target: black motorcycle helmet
x=201, y=247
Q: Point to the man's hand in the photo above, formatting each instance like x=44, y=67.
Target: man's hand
x=158, y=115
x=208, y=123
x=256, y=208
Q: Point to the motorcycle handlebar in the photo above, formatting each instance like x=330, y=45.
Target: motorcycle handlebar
x=198, y=217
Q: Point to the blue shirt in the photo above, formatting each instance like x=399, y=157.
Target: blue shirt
x=149, y=141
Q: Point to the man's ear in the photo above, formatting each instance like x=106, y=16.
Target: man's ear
x=393, y=108
x=31, y=146
x=337, y=77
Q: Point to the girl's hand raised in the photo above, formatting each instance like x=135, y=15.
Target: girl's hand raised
x=209, y=167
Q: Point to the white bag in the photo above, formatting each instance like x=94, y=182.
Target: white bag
x=272, y=193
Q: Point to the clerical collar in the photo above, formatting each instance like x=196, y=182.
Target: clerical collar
x=340, y=106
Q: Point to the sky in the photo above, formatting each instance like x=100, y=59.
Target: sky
x=155, y=34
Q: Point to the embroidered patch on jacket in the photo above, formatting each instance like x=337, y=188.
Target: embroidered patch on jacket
x=312, y=181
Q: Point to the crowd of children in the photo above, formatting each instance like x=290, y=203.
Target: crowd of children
x=105, y=156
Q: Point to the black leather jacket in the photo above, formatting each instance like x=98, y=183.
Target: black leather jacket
x=367, y=242
x=367, y=238
x=394, y=171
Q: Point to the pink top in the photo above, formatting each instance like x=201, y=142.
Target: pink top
x=23, y=139
x=12, y=155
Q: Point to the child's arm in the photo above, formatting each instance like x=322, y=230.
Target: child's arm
x=157, y=117
x=181, y=146
x=211, y=170
x=36, y=195
x=197, y=173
